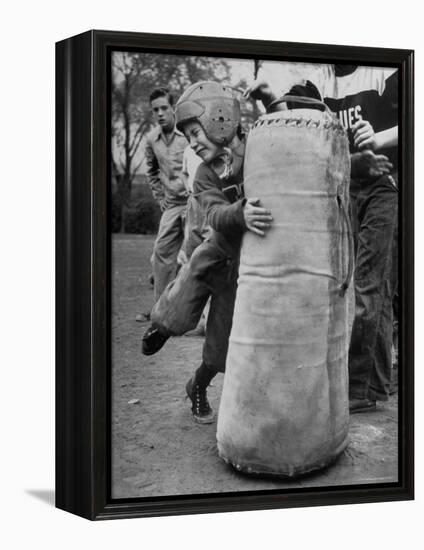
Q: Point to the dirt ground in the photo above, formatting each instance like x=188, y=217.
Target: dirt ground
x=157, y=449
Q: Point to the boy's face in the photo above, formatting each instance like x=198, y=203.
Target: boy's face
x=201, y=145
x=163, y=113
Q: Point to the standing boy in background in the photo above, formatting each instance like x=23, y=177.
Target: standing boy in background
x=164, y=157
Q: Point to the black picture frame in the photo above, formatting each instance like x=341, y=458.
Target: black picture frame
x=83, y=265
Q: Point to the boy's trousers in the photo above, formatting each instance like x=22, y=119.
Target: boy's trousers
x=167, y=245
x=196, y=230
x=209, y=273
x=374, y=214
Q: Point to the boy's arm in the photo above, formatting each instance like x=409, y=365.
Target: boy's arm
x=364, y=137
x=261, y=91
x=230, y=218
x=221, y=215
x=387, y=138
x=366, y=140
x=153, y=174
x=184, y=171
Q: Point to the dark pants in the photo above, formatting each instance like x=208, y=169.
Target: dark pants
x=223, y=287
x=208, y=273
x=374, y=215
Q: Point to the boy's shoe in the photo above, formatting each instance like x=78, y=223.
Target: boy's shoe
x=153, y=340
x=202, y=412
x=362, y=405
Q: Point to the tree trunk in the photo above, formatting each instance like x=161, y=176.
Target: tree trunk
x=125, y=198
x=124, y=213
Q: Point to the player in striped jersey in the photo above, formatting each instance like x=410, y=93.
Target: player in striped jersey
x=365, y=100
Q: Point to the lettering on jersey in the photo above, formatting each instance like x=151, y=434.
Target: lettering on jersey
x=349, y=117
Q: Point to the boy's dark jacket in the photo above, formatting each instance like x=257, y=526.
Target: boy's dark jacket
x=224, y=211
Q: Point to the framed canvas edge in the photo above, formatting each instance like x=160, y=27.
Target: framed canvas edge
x=82, y=261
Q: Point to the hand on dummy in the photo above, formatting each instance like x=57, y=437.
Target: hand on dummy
x=257, y=219
x=369, y=165
x=364, y=135
x=259, y=89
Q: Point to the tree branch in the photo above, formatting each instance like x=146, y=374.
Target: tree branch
x=138, y=136
x=134, y=171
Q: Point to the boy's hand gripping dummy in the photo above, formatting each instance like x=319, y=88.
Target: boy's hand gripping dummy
x=284, y=406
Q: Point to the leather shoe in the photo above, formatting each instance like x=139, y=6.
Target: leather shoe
x=153, y=340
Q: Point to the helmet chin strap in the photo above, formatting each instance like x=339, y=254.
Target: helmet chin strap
x=222, y=165
x=230, y=160
x=238, y=151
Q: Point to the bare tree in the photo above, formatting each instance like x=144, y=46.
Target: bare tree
x=129, y=125
x=135, y=75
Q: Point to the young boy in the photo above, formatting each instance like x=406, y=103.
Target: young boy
x=209, y=116
x=195, y=230
x=164, y=155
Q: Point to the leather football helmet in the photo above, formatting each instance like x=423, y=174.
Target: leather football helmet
x=214, y=106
